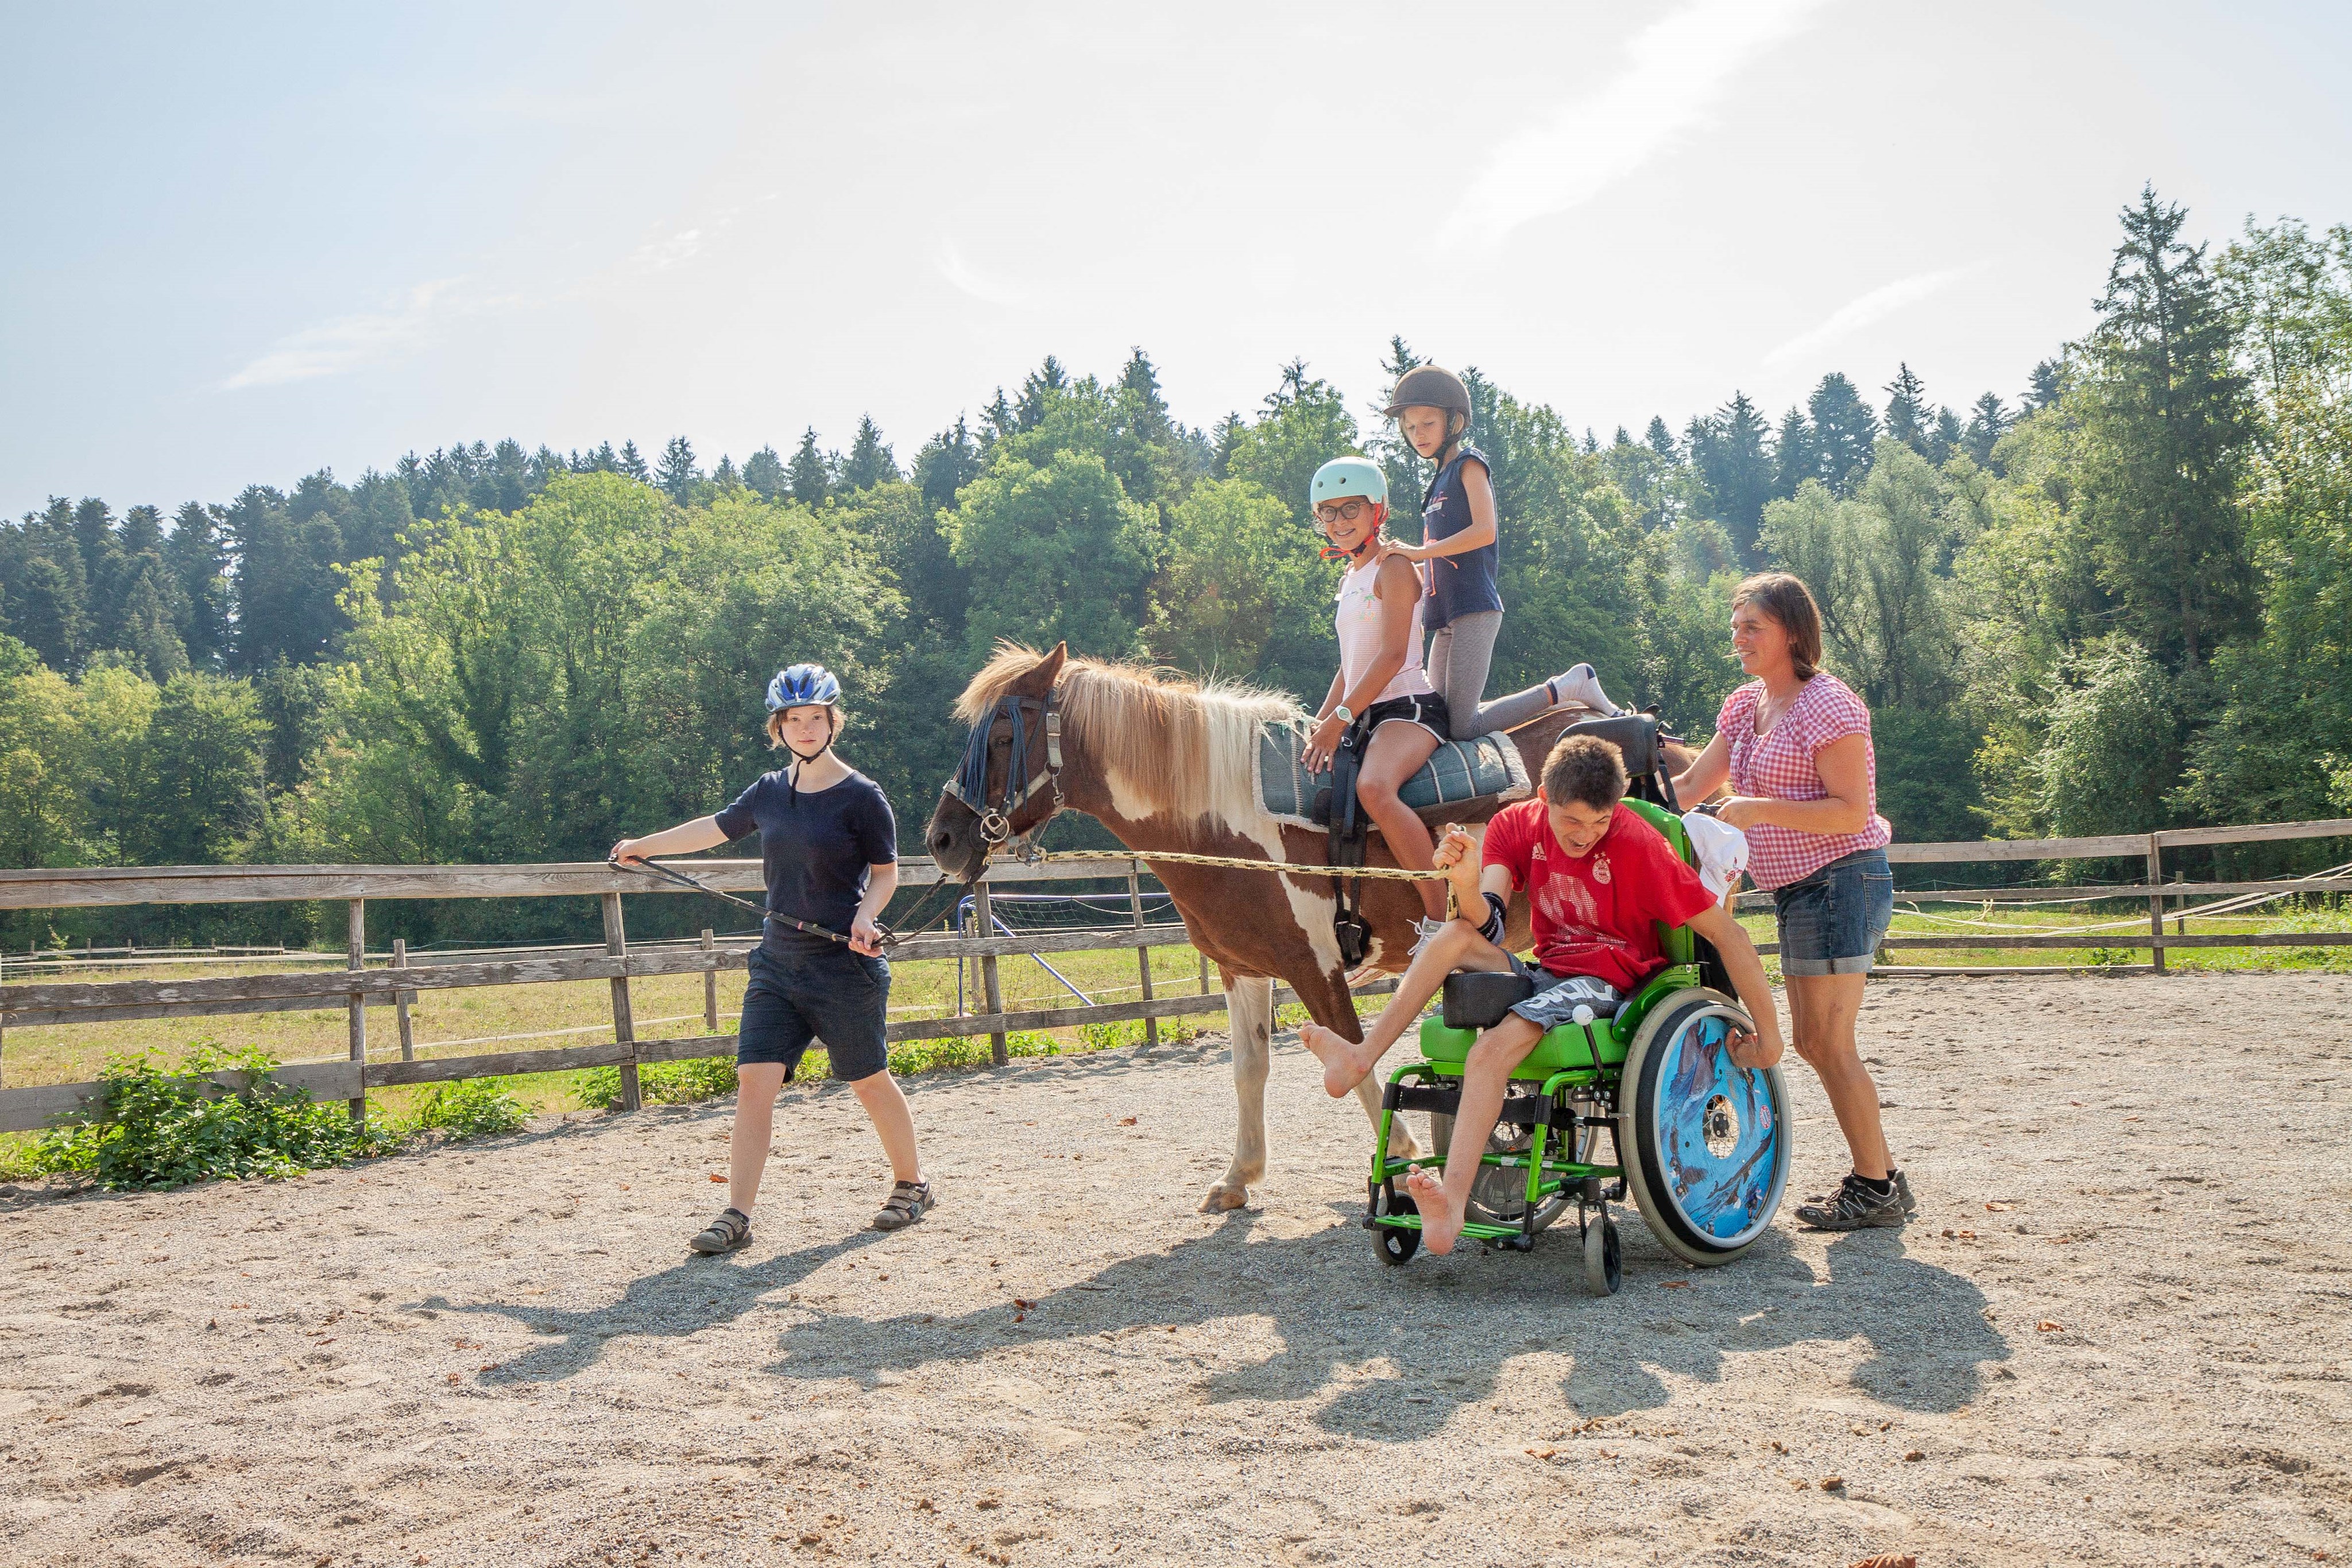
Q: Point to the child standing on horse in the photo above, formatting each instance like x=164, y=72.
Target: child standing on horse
x=830, y=845
x=1463, y=609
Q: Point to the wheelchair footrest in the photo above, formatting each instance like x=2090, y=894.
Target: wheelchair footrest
x=1401, y=1096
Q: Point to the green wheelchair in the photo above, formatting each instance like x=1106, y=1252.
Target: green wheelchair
x=1701, y=1145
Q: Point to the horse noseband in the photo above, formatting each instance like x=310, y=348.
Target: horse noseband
x=970, y=783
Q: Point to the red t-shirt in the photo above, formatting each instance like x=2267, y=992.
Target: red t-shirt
x=1593, y=912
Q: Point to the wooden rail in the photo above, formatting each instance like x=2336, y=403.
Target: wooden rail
x=356, y=988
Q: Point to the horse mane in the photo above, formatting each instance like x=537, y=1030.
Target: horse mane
x=1179, y=746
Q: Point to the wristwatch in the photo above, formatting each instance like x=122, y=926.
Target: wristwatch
x=1343, y=714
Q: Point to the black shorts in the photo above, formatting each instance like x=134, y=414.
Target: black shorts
x=1426, y=710
x=809, y=988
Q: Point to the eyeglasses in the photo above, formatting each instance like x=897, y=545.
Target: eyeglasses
x=1342, y=511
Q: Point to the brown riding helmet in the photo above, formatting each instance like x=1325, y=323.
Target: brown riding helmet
x=1430, y=387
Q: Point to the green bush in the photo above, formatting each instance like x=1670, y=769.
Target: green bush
x=665, y=1083
x=470, y=1108
x=157, y=1126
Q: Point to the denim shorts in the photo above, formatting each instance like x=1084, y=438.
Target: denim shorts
x=1832, y=921
x=815, y=990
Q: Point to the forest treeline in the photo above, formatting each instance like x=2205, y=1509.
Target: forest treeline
x=2119, y=600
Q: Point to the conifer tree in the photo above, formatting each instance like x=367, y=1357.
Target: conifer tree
x=1844, y=429
x=2048, y=383
x=1729, y=451
x=1794, y=459
x=200, y=560
x=633, y=463
x=999, y=420
x=1139, y=383
x=1946, y=438
x=870, y=461
x=1988, y=421
x=1661, y=440
x=947, y=462
x=763, y=472
x=1909, y=419
x=678, y=471
x=809, y=476
x=2165, y=426
x=724, y=475
x=1036, y=392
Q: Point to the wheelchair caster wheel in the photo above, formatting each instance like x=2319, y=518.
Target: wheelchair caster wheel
x=1604, y=1257
x=1393, y=1245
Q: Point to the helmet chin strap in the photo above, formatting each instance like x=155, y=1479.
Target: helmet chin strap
x=1333, y=552
x=792, y=778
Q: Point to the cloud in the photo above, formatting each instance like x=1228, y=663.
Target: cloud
x=348, y=343
x=661, y=254
x=1680, y=65
x=1872, y=307
x=960, y=274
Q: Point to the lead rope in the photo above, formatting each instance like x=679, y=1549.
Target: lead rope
x=891, y=938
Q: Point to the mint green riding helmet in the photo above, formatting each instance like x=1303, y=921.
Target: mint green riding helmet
x=1344, y=477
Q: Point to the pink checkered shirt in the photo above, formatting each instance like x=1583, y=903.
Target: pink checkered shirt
x=1779, y=766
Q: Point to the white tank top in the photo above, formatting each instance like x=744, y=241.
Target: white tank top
x=1359, y=637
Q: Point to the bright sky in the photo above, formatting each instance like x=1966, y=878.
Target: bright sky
x=247, y=242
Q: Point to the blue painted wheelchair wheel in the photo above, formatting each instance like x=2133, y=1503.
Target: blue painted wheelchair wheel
x=1706, y=1143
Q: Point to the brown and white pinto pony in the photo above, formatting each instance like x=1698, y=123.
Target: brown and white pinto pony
x=1164, y=763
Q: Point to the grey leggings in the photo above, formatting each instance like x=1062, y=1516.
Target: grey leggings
x=1459, y=654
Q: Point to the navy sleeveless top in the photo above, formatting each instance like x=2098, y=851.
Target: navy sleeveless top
x=1458, y=584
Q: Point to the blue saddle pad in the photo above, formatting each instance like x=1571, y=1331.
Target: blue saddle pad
x=1459, y=776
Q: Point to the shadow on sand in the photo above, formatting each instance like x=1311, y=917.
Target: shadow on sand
x=1391, y=1354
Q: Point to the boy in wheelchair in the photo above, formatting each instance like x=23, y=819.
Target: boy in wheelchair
x=1601, y=881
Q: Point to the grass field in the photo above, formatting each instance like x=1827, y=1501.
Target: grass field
x=521, y=1018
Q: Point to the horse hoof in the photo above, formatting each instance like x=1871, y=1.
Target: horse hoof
x=1223, y=1197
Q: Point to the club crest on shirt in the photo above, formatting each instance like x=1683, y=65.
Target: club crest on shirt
x=1601, y=869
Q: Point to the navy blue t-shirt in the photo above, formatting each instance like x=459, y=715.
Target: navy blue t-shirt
x=1458, y=584
x=814, y=848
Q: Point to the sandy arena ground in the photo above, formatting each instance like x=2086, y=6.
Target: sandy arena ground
x=503, y=1355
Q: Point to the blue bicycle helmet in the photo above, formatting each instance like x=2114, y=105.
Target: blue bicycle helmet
x=803, y=685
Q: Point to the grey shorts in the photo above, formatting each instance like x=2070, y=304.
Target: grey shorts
x=1556, y=1003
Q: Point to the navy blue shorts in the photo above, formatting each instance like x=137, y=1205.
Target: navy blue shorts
x=822, y=991
x=1832, y=921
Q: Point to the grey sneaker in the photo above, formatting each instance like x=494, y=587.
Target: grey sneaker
x=1854, y=1207
x=1903, y=1190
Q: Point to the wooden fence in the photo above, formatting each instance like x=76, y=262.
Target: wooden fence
x=355, y=987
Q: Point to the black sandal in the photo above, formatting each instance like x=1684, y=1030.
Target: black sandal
x=730, y=1231
x=909, y=1201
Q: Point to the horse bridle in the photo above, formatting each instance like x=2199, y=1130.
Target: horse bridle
x=970, y=784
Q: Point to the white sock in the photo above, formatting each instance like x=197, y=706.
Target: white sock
x=1581, y=685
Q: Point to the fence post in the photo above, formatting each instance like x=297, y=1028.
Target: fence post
x=2156, y=901
x=400, y=1003
x=1205, y=971
x=625, y=1022
x=1143, y=956
x=709, y=985
x=991, y=989
x=355, y=955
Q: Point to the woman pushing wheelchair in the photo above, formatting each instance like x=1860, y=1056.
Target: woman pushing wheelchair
x=1601, y=881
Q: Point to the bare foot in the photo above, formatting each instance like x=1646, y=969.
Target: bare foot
x=1344, y=1060
x=1441, y=1216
